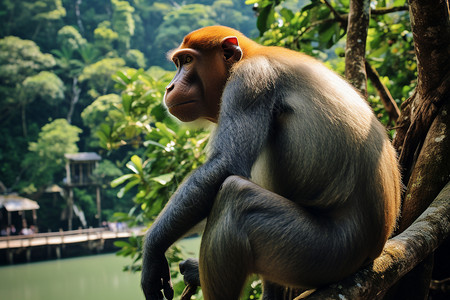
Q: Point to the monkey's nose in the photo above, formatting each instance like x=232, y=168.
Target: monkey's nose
x=170, y=87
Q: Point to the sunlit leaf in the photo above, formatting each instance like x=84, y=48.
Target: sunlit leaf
x=118, y=181
x=137, y=161
x=163, y=179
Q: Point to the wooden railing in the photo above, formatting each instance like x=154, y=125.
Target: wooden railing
x=63, y=237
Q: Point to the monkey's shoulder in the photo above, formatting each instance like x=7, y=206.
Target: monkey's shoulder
x=288, y=68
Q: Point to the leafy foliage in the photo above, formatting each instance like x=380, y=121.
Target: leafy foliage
x=318, y=28
x=46, y=85
x=123, y=22
x=170, y=152
x=102, y=110
x=69, y=37
x=20, y=59
x=98, y=75
x=46, y=156
x=147, y=154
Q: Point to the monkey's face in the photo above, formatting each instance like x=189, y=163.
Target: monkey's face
x=196, y=90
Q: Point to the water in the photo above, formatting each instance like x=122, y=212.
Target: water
x=89, y=278
x=94, y=277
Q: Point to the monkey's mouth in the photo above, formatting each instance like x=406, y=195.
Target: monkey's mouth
x=174, y=105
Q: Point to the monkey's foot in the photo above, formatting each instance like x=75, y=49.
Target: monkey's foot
x=189, y=269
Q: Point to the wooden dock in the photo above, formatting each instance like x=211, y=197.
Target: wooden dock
x=55, y=242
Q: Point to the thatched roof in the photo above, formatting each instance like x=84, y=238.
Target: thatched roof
x=17, y=203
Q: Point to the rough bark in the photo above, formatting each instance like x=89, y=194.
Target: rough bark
x=420, y=276
x=431, y=171
x=431, y=29
x=355, y=51
x=401, y=254
x=424, y=151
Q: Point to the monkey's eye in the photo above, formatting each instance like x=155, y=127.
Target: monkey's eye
x=182, y=59
x=188, y=59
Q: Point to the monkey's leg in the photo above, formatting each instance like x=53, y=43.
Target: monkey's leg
x=226, y=257
x=252, y=230
x=225, y=254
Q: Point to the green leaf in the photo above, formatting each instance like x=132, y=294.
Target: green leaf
x=121, y=179
x=165, y=130
x=127, y=100
x=130, y=185
x=163, y=179
x=120, y=216
x=286, y=14
x=265, y=19
x=137, y=161
x=136, y=75
x=329, y=34
x=105, y=129
x=123, y=77
x=150, y=142
x=399, y=2
x=121, y=244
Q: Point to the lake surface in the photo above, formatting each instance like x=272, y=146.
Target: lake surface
x=95, y=277
x=89, y=278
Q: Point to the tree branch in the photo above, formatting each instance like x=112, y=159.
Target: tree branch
x=388, y=10
x=336, y=14
x=385, y=96
x=343, y=18
x=400, y=255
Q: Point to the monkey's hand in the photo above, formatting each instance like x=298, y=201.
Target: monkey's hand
x=156, y=277
x=189, y=269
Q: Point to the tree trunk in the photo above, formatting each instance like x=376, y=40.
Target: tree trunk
x=423, y=143
x=431, y=30
x=355, y=51
x=78, y=14
x=75, y=97
x=423, y=139
x=431, y=170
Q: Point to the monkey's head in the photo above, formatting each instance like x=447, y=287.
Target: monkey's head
x=203, y=64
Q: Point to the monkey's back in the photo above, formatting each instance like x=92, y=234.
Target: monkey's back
x=341, y=158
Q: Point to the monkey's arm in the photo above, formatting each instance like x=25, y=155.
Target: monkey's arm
x=188, y=206
x=236, y=145
x=244, y=125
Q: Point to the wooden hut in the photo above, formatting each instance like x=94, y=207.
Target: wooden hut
x=79, y=169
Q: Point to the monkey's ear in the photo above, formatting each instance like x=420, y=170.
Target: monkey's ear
x=231, y=50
